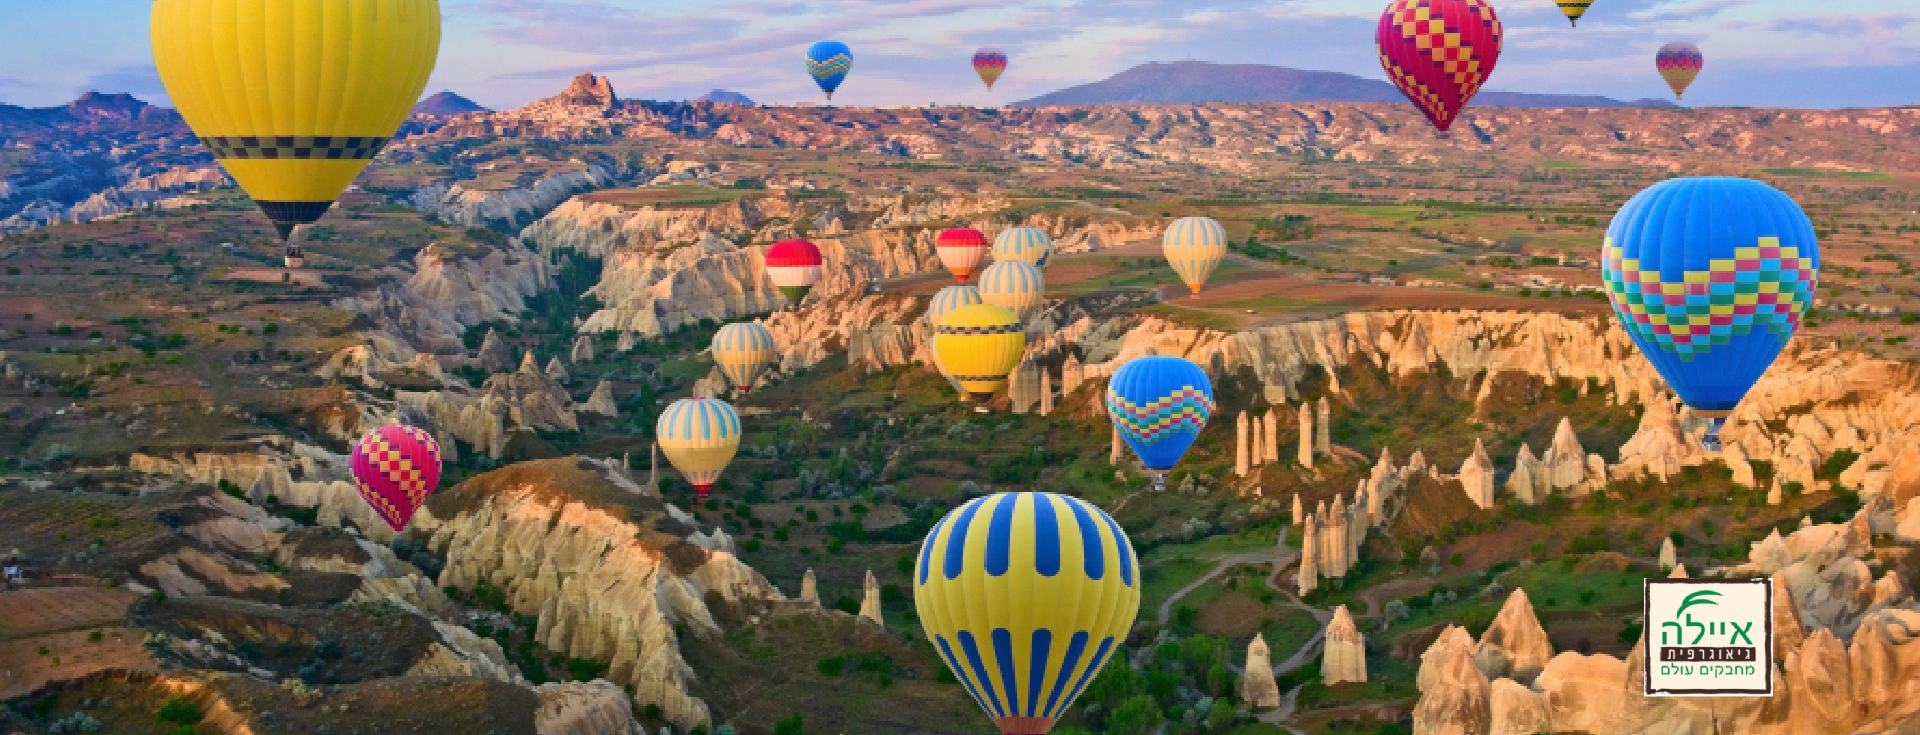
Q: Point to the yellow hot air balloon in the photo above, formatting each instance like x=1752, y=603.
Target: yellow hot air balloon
x=1194, y=247
x=979, y=345
x=1026, y=596
x=1573, y=9
x=699, y=436
x=742, y=351
x=1014, y=285
x=295, y=98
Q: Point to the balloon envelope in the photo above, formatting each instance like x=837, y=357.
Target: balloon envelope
x=829, y=62
x=794, y=266
x=1679, y=63
x=1030, y=244
x=962, y=250
x=699, y=437
x=294, y=99
x=395, y=468
x=1014, y=285
x=989, y=63
x=1026, y=596
x=1194, y=246
x=743, y=351
x=950, y=298
x=1160, y=404
x=1439, y=52
x=1709, y=276
x=979, y=345
x=1573, y=9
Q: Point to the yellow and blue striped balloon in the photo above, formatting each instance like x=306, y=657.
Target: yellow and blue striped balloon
x=1014, y=285
x=1026, y=596
x=1194, y=247
x=742, y=351
x=699, y=436
x=1030, y=244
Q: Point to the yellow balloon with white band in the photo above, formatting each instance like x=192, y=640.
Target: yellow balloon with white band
x=1194, y=246
x=1026, y=596
x=295, y=98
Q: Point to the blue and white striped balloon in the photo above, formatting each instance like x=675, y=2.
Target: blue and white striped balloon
x=1030, y=244
x=742, y=351
x=950, y=298
x=1194, y=246
x=699, y=436
x=1014, y=285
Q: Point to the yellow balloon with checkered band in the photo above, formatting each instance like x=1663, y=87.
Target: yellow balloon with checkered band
x=978, y=346
x=1026, y=596
x=295, y=97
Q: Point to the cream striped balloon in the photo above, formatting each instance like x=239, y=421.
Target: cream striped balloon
x=1014, y=285
x=1194, y=247
x=699, y=436
x=743, y=351
x=1030, y=244
x=950, y=298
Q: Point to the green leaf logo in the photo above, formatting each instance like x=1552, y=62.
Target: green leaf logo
x=1698, y=598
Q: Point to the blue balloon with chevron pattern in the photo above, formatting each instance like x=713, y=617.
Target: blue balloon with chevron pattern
x=1159, y=404
x=829, y=62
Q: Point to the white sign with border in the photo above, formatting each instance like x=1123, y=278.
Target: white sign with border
x=1709, y=637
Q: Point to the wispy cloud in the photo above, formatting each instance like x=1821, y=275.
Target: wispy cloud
x=1687, y=10
x=1843, y=26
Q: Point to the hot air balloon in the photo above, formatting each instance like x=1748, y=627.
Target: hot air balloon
x=1573, y=9
x=294, y=99
x=1159, y=404
x=1014, y=285
x=395, y=468
x=1026, y=596
x=1030, y=244
x=794, y=266
x=829, y=62
x=980, y=345
x=989, y=63
x=1194, y=247
x=950, y=298
x=1709, y=276
x=962, y=250
x=1679, y=63
x=699, y=436
x=1439, y=52
x=743, y=350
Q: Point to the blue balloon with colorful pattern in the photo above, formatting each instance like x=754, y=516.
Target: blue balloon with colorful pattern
x=829, y=62
x=1159, y=404
x=1026, y=596
x=1710, y=277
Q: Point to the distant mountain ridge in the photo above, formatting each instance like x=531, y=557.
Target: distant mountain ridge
x=726, y=97
x=1200, y=82
x=447, y=103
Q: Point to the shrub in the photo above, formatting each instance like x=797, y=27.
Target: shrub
x=789, y=725
x=832, y=665
x=178, y=710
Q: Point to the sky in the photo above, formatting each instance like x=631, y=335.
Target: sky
x=504, y=53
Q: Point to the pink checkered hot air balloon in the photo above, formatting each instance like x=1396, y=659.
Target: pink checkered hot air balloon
x=396, y=468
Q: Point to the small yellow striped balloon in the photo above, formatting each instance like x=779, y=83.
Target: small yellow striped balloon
x=743, y=351
x=1194, y=246
x=1026, y=596
x=1573, y=9
x=699, y=436
x=979, y=345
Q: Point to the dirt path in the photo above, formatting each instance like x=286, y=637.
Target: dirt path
x=1279, y=556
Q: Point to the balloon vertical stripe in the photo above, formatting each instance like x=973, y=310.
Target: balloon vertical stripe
x=1099, y=661
x=1075, y=646
x=1000, y=537
x=1003, y=652
x=1126, y=555
x=953, y=665
x=1042, y=647
x=1046, y=539
x=957, y=540
x=980, y=671
x=1093, y=556
x=926, y=550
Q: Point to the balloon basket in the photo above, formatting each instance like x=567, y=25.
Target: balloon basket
x=1159, y=482
x=702, y=490
x=1710, y=441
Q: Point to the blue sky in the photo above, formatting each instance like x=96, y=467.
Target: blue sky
x=503, y=53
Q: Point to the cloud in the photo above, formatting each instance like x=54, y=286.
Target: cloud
x=1686, y=11
x=1842, y=26
x=592, y=26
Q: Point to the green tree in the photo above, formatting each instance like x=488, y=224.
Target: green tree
x=1114, y=685
x=1139, y=715
x=1219, y=680
x=789, y=725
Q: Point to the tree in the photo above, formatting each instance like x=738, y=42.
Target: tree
x=1114, y=685
x=789, y=725
x=1139, y=715
x=1219, y=680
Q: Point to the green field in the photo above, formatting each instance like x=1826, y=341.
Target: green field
x=1820, y=173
